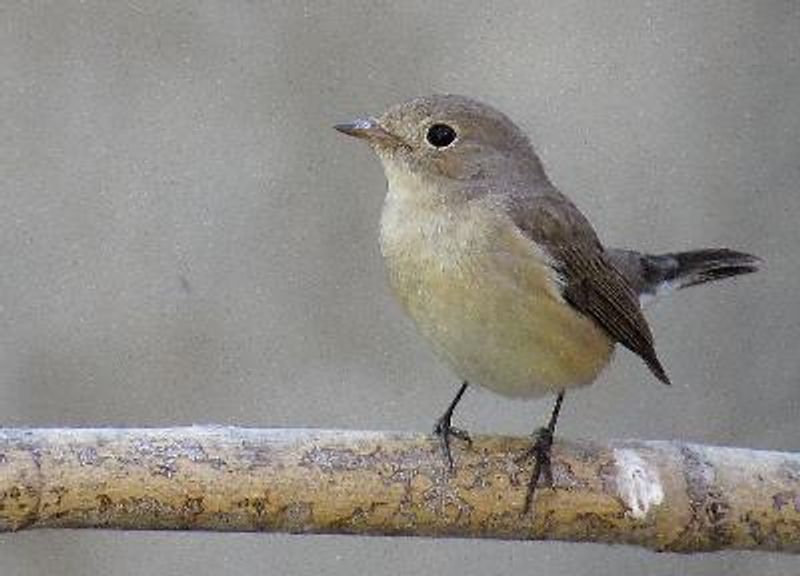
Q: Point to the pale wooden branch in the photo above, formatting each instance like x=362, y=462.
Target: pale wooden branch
x=661, y=495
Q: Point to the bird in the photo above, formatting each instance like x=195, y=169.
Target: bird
x=501, y=272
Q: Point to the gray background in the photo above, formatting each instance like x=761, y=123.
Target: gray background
x=183, y=238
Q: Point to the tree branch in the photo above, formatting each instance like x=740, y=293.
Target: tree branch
x=661, y=495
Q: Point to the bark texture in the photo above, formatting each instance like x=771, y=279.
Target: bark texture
x=665, y=496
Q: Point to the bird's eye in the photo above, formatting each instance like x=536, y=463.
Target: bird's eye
x=441, y=135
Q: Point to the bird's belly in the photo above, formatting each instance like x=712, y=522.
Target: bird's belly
x=513, y=343
x=493, y=313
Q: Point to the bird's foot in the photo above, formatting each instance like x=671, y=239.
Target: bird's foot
x=444, y=430
x=542, y=466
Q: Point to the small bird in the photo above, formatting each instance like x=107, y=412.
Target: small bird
x=500, y=271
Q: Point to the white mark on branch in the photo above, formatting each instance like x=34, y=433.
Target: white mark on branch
x=638, y=483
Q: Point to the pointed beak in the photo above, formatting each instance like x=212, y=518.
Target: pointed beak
x=364, y=128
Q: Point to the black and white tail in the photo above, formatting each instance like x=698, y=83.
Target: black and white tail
x=651, y=275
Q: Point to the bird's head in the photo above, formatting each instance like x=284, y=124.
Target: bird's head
x=448, y=137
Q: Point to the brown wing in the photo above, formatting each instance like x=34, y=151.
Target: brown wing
x=593, y=285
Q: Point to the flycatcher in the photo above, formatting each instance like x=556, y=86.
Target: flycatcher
x=500, y=271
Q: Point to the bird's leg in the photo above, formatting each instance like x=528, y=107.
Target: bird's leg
x=542, y=443
x=444, y=430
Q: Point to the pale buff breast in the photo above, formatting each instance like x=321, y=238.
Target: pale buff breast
x=484, y=296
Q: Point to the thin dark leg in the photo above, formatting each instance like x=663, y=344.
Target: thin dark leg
x=541, y=452
x=444, y=430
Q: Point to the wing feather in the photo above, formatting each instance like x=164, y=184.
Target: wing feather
x=592, y=283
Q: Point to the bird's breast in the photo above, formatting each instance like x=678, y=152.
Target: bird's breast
x=484, y=295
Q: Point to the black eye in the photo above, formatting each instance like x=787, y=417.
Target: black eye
x=441, y=135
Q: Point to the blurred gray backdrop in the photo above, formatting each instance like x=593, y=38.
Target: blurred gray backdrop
x=183, y=238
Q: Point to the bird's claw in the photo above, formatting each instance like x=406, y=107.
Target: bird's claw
x=444, y=431
x=540, y=451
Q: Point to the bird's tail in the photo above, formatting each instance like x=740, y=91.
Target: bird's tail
x=653, y=274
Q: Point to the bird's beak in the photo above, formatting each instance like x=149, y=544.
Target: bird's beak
x=366, y=129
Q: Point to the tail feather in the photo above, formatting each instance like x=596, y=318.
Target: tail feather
x=700, y=266
x=652, y=274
